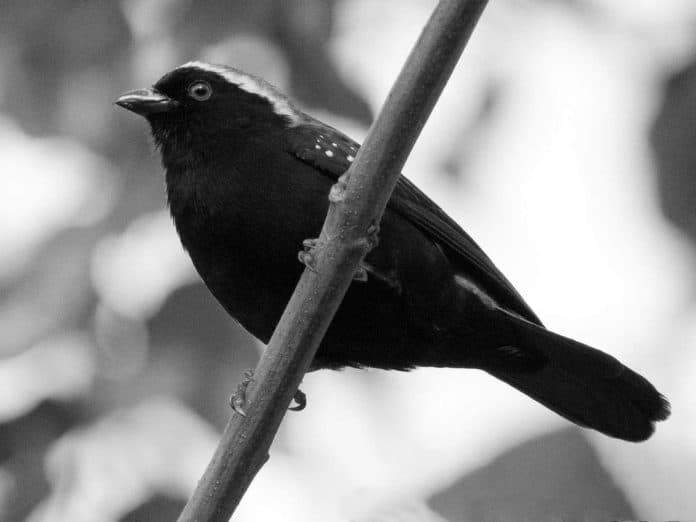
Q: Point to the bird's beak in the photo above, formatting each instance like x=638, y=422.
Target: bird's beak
x=146, y=101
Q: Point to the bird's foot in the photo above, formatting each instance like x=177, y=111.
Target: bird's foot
x=306, y=256
x=300, y=399
x=238, y=398
x=338, y=189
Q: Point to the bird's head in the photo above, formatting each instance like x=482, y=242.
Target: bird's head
x=200, y=100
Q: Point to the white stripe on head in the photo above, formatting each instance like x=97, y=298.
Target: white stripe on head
x=255, y=85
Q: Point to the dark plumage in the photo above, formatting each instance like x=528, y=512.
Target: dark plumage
x=247, y=181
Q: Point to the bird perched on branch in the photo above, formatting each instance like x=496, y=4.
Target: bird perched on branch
x=248, y=176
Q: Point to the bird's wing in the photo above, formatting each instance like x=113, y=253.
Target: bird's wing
x=331, y=153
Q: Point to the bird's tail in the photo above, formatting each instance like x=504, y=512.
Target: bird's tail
x=584, y=385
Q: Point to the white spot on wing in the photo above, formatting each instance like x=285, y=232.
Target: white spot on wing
x=254, y=85
x=329, y=153
x=350, y=158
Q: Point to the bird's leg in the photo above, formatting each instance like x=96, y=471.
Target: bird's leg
x=301, y=399
x=238, y=398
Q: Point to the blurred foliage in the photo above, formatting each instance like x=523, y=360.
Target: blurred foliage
x=63, y=62
x=555, y=477
x=673, y=137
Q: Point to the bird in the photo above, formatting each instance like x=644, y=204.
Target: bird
x=247, y=178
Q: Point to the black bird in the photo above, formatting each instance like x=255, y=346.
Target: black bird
x=248, y=176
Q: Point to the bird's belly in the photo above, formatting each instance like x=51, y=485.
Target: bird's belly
x=247, y=256
x=252, y=285
x=372, y=327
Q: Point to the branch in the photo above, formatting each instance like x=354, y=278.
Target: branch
x=343, y=242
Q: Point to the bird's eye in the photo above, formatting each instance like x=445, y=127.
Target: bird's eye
x=200, y=91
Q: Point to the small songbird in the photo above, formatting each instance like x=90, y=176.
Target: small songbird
x=248, y=175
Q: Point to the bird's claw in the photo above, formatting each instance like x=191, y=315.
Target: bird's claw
x=307, y=259
x=309, y=244
x=238, y=398
x=306, y=256
x=301, y=399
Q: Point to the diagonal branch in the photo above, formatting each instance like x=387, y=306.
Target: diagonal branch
x=344, y=241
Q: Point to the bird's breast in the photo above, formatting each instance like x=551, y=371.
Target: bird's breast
x=243, y=227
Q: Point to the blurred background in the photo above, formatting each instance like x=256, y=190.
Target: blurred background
x=565, y=144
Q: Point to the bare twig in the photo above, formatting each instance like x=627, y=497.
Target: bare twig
x=342, y=244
